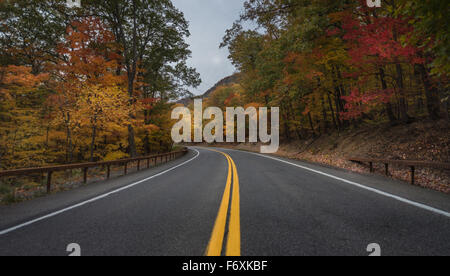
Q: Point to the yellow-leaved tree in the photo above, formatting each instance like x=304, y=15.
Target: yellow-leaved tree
x=101, y=109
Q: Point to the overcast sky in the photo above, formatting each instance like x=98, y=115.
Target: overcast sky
x=208, y=21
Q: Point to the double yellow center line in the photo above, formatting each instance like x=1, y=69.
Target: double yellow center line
x=233, y=247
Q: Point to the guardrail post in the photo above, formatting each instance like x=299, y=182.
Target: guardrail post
x=49, y=181
x=386, y=167
x=412, y=174
x=148, y=163
x=371, y=167
x=139, y=165
x=125, y=169
x=108, y=172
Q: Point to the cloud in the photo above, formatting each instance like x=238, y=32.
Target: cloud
x=216, y=60
x=208, y=21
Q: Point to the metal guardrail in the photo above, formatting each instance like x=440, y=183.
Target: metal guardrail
x=163, y=158
x=407, y=163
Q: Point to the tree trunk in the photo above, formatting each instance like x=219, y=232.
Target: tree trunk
x=445, y=112
x=431, y=94
x=337, y=98
x=311, y=124
x=341, y=92
x=292, y=116
x=388, y=105
x=324, y=113
x=94, y=130
x=287, y=132
x=330, y=103
x=403, y=104
x=147, y=144
x=47, y=136
x=131, y=141
x=69, y=139
x=13, y=151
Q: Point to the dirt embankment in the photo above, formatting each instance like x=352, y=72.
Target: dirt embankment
x=424, y=141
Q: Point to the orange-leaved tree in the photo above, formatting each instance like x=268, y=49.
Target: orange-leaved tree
x=89, y=60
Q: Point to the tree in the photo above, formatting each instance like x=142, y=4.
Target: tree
x=151, y=36
x=340, y=62
x=75, y=81
x=431, y=30
x=30, y=31
x=19, y=91
x=431, y=36
x=99, y=107
x=88, y=59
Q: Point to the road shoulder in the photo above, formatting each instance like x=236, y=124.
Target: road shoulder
x=18, y=213
x=392, y=186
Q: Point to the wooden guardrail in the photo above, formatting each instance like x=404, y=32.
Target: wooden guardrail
x=406, y=163
x=163, y=158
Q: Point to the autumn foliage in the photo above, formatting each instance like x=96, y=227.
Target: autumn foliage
x=76, y=87
x=332, y=65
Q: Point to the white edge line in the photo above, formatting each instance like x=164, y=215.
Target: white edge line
x=6, y=231
x=398, y=198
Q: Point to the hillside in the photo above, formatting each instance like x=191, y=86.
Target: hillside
x=223, y=82
x=425, y=141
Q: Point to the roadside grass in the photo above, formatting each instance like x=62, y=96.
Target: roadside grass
x=22, y=188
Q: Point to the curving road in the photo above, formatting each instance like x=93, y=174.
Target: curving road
x=224, y=202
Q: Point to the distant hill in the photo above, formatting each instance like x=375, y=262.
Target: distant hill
x=223, y=82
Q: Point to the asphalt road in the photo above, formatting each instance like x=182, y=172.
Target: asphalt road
x=220, y=201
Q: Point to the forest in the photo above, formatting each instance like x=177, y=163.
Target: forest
x=98, y=82
x=89, y=83
x=338, y=64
